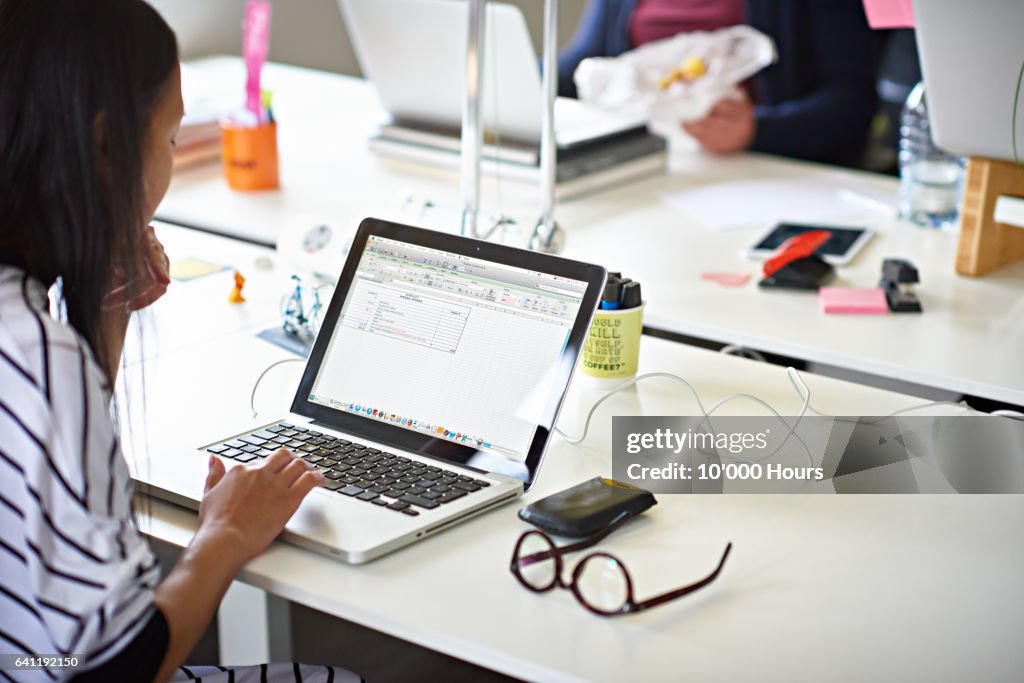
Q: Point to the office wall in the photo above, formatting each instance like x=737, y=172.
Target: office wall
x=307, y=32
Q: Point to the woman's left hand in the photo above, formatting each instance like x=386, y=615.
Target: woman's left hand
x=143, y=291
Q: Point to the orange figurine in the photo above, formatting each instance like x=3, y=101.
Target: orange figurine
x=236, y=293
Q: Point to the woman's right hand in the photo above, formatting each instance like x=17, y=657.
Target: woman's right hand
x=153, y=279
x=243, y=510
x=251, y=505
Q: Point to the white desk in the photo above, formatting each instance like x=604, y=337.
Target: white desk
x=966, y=342
x=818, y=587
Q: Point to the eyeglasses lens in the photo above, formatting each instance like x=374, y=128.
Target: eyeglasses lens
x=536, y=562
x=602, y=584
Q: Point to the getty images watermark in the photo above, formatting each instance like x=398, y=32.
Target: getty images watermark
x=903, y=454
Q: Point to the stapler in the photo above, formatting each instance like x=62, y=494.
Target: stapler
x=898, y=279
x=796, y=265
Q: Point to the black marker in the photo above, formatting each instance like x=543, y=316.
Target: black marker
x=630, y=297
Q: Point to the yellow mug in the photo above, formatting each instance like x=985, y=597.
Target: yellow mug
x=612, y=347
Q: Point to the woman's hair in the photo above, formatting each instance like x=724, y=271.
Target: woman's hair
x=73, y=72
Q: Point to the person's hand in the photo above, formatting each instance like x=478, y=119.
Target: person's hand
x=249, y=506
x=728, y=128
x=155, y=277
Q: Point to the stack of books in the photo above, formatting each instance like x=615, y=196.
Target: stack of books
x=197, y=141
x=581, y=169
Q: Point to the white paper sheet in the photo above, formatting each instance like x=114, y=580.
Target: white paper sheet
x=763, y=203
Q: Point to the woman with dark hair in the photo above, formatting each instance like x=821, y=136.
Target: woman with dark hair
x=816, y=102
x=90, y=102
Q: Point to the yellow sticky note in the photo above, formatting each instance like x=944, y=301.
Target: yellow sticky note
x=191, y=268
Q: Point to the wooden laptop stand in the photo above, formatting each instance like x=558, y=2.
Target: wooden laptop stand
x=986, y=245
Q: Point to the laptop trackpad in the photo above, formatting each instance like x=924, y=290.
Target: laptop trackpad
x=330, y=518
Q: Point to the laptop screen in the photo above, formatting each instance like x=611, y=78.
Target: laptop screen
x=451, y=346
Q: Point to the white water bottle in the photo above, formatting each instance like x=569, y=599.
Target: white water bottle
x=931, y=179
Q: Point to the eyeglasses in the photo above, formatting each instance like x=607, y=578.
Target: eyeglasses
x=600, y=581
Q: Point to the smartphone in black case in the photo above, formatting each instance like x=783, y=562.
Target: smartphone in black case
x=586, y=508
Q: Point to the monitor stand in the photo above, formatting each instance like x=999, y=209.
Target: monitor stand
x=986, y=244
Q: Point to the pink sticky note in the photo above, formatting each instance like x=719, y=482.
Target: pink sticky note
x=890, y=13
x=867, y=301
x=727, y=279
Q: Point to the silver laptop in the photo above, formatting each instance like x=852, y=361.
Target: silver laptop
x=414, y=52
x=971, y=57
x=430, y=393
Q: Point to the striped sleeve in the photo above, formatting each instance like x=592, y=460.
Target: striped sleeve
x=76, y=577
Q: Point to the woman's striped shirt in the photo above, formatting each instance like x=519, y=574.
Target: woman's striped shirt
x=76, y=577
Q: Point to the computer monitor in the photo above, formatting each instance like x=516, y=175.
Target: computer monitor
x=414, y=53
x=971, y=55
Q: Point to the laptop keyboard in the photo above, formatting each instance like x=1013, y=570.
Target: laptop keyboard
x=390, y=481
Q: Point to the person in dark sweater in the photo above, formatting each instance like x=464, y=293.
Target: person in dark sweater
x=816, y=102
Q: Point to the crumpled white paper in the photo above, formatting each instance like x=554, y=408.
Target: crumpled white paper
x=629, y=83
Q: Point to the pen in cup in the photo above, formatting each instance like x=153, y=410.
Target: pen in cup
x=255, y=45
x=620, y=293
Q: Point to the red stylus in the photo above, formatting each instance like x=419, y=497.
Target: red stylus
x=794, y=249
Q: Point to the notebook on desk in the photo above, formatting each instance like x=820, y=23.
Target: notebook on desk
x=429, y=396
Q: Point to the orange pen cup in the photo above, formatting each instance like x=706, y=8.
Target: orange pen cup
x=249, y=156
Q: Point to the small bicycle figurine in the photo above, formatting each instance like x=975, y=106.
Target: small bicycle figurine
x=295, y=318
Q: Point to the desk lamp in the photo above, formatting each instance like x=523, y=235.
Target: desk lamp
x=547, y=235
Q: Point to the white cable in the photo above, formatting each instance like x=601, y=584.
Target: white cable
x=625, y=385
x=802, y=390
x=252, y=395
x=797, y=381
x=706, y=414
x=910, y=409
x=794, y=377
x=742, y=352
